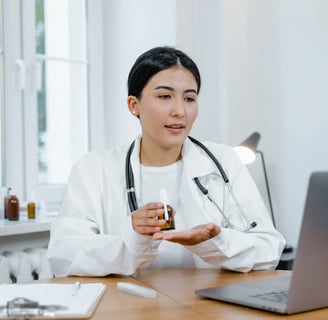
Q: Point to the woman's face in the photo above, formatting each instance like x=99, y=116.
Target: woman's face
x=167, y=108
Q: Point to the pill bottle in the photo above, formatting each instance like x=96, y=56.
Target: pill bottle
x=31, y=206
x=13, y=208
x=168, y=212
x=31, y=210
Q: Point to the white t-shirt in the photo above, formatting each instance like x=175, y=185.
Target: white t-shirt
x=170, y=255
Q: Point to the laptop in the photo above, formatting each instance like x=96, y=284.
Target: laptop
x=307, y=287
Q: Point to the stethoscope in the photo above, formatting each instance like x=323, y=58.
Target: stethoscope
x=131, y=194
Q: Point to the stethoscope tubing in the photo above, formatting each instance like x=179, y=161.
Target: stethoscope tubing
x=131, y=194
x=211, y=155
x=129, y=178
x=205, y=193
x=208, y=196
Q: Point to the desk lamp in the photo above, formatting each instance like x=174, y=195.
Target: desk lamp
x=247, y=151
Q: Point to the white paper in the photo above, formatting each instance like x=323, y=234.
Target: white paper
x=80, y=304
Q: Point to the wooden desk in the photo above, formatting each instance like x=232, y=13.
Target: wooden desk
x=176, y=299
x=116, y=304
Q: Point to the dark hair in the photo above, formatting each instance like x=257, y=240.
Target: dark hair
x=154, y=61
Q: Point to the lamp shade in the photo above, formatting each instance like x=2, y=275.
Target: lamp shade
x=247, y=149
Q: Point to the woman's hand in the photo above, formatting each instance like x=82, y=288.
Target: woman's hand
x=190, y=237
x=146, y=220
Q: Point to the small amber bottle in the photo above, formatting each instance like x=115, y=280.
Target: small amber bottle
x=31, y=210
x=13, y=208
x=168, y=212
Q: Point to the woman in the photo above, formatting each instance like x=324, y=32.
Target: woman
x=102, y=229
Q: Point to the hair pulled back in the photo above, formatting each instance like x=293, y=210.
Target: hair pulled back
x=154, y=61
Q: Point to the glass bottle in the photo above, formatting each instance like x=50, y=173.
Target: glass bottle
x=169, y=219
x=168, y=212
x=13, y=208
x=31, y=210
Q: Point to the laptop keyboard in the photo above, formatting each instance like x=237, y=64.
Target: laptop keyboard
x=276, y=296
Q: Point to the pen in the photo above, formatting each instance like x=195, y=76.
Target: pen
x=76, y=288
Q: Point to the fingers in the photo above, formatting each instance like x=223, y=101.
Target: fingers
x=213, y=229
x=146, y=220
x=194, y=236
x=149, y=210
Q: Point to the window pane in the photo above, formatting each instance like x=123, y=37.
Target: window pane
x=1, y=95
x=39, y=26
x=1, y=28
x=1, y=122
x=63, y=119
x=62, y=99
x=61, y=28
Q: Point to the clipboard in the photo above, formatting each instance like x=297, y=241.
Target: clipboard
x=43, y=300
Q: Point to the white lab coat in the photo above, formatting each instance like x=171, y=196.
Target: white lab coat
x=93, y=234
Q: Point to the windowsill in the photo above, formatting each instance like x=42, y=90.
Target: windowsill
x=25, y=225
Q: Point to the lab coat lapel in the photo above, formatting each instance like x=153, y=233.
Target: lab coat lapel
x=196, y=161
x=195, y=164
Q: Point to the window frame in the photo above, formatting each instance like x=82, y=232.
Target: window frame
x=20, y=107
x=2, y=101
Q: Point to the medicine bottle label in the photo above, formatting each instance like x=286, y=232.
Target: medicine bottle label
x=169, y=221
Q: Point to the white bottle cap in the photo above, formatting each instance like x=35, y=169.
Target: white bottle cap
x=165, y=200
x=9, y=191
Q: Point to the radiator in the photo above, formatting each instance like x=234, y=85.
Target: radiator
x=24, y=266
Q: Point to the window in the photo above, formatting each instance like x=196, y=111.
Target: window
x=62, y=87
x=46, y=88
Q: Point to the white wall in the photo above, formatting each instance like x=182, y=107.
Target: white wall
x=264, y=68
x=303, y=43
x=200, y=35
x=130, y=28
x=273, y=80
